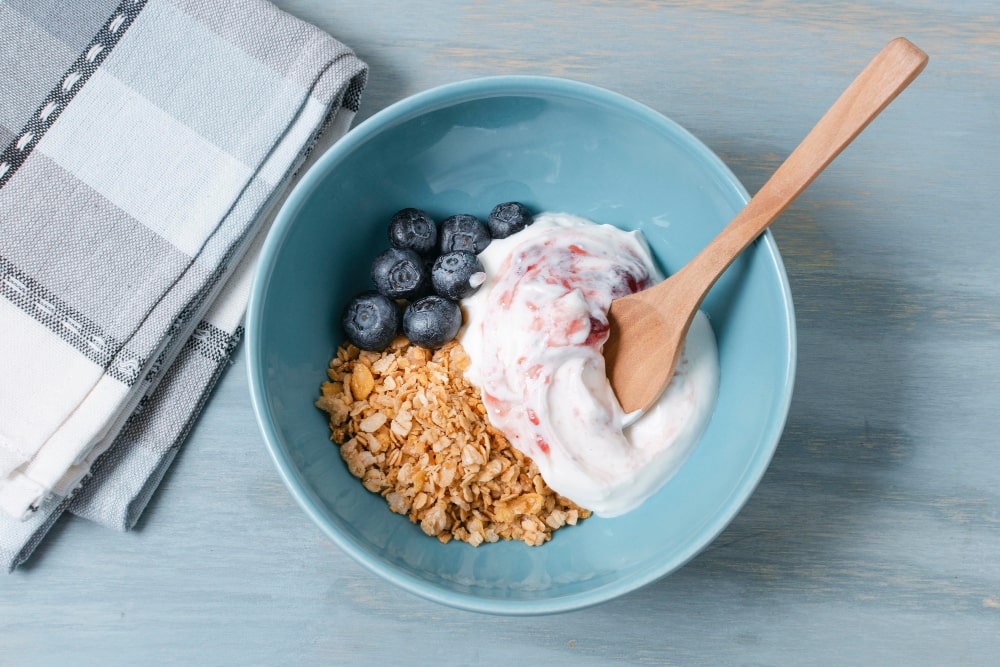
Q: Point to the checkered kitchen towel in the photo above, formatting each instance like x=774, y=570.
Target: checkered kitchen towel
x=144, y=144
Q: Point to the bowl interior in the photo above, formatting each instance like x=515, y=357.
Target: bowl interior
x=554, y=145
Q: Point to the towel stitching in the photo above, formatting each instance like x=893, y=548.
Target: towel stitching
x=51, y=312
x=213, y=343
x=18, y=150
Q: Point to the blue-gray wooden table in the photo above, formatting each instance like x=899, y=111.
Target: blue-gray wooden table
x=874, y=538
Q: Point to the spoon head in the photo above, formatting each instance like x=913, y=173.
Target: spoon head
x=641, y=352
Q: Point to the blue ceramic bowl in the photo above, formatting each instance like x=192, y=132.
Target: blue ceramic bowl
x=554, y=145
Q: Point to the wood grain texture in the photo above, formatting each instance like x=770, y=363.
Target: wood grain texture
x=875, y=534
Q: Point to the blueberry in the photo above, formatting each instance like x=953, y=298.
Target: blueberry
x=457, y=274
x=399, y=274
x=507, y=219
x=432, y=321
x=371, y=320
x=464, y=232
x=413, y=229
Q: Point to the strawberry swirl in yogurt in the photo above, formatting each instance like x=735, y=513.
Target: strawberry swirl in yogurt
x=534, y=335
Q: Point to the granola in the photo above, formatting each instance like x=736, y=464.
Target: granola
x=413, y=430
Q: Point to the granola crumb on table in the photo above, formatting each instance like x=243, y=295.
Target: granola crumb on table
x=413, y=430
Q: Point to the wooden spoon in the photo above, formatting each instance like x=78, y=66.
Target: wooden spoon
x=648, y=328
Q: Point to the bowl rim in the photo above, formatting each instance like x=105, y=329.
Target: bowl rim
x=423, y=102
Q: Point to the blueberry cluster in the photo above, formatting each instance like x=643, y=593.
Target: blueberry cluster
x=421, y=277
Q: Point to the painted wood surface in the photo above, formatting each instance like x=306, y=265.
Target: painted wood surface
x=874, y=537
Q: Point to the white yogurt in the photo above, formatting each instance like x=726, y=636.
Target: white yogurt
x=534, y=335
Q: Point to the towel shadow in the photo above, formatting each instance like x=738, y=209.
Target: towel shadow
x=384, y=87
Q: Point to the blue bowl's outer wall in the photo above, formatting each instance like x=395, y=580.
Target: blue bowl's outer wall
x=555, y=145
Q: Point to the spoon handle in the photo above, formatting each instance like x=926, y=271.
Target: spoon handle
x=875, y=87
x=658, y=318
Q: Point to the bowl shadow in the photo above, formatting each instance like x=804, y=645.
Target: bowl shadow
x=833, y=466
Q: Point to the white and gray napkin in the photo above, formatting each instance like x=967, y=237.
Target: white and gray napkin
x=144, y=145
